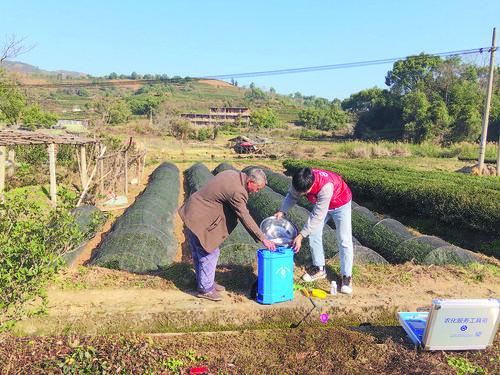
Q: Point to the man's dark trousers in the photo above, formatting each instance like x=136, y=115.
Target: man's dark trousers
x=204, y=263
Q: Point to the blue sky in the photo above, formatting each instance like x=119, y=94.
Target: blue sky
x=217, y=37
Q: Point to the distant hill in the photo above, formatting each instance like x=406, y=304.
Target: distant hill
x=70, y=94
x=20, y=67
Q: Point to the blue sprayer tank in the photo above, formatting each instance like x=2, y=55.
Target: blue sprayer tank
x=275, y=275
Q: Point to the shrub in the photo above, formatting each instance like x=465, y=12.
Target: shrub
x=264, y=118
x=32, y=241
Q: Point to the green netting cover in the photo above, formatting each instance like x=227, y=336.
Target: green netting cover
x=363, y=221
x=142, y=239
x=418, y=248
x=387, y=235
x=240, y=247
x=451, y=255
x=223, y=167
x=89, y=220
x=365, y=255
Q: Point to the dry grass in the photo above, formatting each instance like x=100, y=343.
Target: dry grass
x=360, y=152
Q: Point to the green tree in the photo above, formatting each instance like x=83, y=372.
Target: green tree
x=145, y=105
x=327, y=118
x=12, y=99
x=112, y=110
x=377, y=113
x=416, y=116
x=180, y=128
x=34, y=117
x=415, y=71
x=254, y=94
x=465, y=109
x=264, y=118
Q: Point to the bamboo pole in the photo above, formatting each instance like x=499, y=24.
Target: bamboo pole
x=83, y=169
x=2, y=173
x=52, y=173
x=11, y=157
x=101, y=169
x=87, y=186
x=125, y=162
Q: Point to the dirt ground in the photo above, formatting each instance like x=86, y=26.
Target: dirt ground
x=236, y=335
x=160, y=303
x=328, y=350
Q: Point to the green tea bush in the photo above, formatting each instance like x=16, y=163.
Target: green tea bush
x=470, y=202
x=33, y=240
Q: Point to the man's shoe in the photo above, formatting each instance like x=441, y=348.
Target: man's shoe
x=219, y=287
x=346, y=287
x=213, y=295
x=314, y=273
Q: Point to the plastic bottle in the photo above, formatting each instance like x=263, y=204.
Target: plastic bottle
x=333, y=288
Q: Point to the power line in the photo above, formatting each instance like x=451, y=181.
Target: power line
x=259, y=73
x=341, y=66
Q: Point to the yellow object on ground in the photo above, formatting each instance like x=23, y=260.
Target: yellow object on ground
x=319, y=293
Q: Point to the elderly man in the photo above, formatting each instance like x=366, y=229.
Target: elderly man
x=211, y=214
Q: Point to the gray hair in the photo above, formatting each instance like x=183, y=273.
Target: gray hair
x=258, y=176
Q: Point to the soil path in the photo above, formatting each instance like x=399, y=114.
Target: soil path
x=94, y=300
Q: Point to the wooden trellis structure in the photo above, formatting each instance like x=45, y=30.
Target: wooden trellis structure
x=117, y=168
x=108, y=170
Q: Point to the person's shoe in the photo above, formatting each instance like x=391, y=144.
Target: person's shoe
x=213, y=295
x=219, y=287
x=346, y=287
x=314, y=273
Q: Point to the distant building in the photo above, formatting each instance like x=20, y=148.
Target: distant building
x=219, y=116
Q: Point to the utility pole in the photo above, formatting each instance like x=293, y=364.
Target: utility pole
x=486, y=114
x=498, y=155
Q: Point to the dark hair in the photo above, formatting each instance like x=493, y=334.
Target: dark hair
x=303, y=179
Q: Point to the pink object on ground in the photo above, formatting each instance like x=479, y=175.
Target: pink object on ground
x=324, y=318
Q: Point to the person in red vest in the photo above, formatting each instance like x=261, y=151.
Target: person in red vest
x=331, y=198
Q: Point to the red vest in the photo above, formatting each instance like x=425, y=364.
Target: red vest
x=341, y=192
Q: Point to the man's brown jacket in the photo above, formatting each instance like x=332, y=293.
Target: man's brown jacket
x=213, y=211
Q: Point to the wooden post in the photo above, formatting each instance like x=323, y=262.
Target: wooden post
x=87, y=186
x=143, y=162
x=138, y=170
x=498, y=156
x=2, y=172
x=101, y=168
x=52, y=172
x=83, y=170
x=125, y=162
x=486, y=114
x=11, y=157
